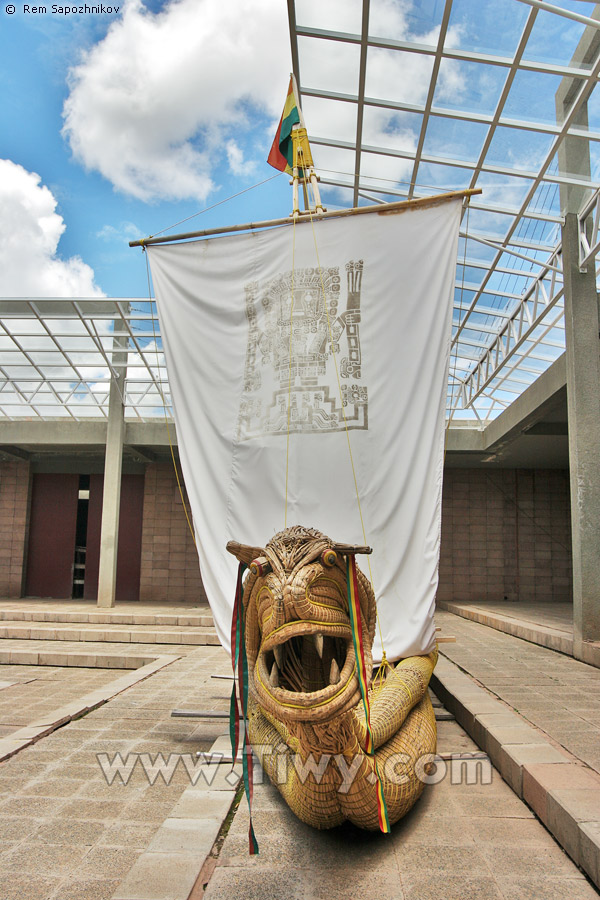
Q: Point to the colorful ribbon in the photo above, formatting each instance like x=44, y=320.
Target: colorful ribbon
x=356, y=626
x=239, y=701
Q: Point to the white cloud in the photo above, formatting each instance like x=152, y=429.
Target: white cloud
x=31, y=230
x=124, y=231
x=391, y=75
x=235, y=157
x=152, y=105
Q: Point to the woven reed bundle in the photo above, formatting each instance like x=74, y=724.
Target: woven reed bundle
x=306, y=723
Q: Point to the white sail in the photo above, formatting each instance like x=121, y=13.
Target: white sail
x=228, y=326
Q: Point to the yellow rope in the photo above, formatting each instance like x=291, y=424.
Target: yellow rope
x=384, y=660
x=164, y=404
x=289, y=405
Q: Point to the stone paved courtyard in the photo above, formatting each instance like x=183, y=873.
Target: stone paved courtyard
x=67, y=834
x=460, y=842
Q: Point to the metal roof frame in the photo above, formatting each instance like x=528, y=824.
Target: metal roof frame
x=57, y=355
x=514, y=325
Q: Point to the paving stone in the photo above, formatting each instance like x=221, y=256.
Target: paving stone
x=32, y=807
x=565, y=810
x=17, y=829
x=441, y=830
x=186, y=836
x=589, y=845
x=92, y=809
x=431, y=887
x=134, y=835
x=68, y=832
x=114, y=862
x=195, y=804
x=53, y=787
x=478, y=804
x=550, y=860
x=541, y=778
x=324, y=883
x=256, y=885
x=512, y=758
x=27, y=887
x=38, y=858
x=546, y=889
x=510, y=832
x=87, y=889
x=447, y=860
x=160, y=876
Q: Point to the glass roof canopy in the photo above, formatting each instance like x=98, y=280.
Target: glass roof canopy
x=412, y=99
x=58, y=357
x=401, y=100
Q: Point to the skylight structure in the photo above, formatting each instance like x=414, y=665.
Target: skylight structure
x=409, y=99
x=58, y=356
x=402, y=99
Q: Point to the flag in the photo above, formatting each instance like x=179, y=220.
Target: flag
x=281, y=155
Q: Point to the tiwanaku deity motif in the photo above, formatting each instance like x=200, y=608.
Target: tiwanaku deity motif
x=305, y=719
x=295, y=325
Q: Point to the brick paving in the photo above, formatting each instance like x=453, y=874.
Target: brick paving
x=65, y=834
x=554, y=692
x=28, y=692
x=460, y=842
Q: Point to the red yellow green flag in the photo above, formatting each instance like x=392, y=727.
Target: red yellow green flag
x=281, y=155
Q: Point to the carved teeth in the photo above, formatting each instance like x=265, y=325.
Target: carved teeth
x=334, y=672
x=318, y=639
x=274, y=677
x=278, y=654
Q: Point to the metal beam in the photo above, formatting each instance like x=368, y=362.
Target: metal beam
x=14, y=453
x=451, y=162
x=430, y=94
x=542, y=296
x=490, y=59
x=142, y=454
x=559, y=11
x=362, y=75
x=445, y=112
x=588, y=223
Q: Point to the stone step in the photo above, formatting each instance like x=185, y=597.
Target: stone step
x=561, y=791
x=135, y=634
x=200, y=619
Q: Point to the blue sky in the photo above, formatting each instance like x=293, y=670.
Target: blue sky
x=117, y=126
x=40, y=56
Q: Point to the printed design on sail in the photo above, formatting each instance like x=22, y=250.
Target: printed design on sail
x=313, y=394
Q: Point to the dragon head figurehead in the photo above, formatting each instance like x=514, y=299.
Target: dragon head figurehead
x=301, y=660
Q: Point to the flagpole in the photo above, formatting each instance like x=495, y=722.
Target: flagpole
x=383, y=209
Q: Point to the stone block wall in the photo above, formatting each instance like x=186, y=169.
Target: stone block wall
x=14, y=505
x=506, y=534
x=170, y=570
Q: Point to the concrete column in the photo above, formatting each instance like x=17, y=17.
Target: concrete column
x=582, y=331
x=583, y=398
x=111, y=497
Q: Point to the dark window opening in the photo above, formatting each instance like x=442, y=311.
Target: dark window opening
x=81, y=537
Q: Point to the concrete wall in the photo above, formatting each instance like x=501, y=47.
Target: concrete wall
x=14, y=503
x=170, y=570
x=506, y=534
